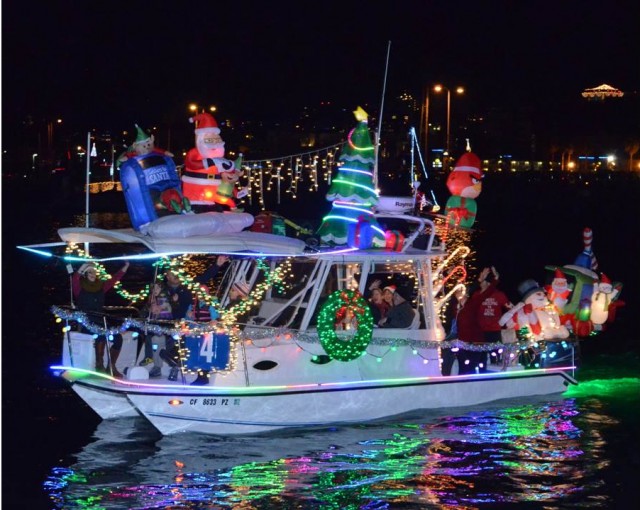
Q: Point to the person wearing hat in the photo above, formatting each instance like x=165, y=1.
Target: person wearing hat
x=239, y=291
x=379, y=307
x=493, y=303
x=470, y=327
x=89, y=292
x=401, y=313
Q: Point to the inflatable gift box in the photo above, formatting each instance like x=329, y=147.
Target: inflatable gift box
x=360, y=234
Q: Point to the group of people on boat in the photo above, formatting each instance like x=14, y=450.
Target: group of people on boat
x=390, y=306
x=169, y=300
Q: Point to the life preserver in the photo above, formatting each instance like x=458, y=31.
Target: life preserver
x=335, y=308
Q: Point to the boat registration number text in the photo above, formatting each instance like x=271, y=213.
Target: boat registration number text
x=215, y=401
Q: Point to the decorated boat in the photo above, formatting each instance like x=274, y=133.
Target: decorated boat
x=301, y=348
x=308, y=353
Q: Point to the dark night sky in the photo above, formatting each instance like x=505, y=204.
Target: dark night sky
x=108, y=64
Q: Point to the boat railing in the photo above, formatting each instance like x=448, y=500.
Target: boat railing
x=424, y=227
x=297, y=300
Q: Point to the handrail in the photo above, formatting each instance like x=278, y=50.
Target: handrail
x=422, y=222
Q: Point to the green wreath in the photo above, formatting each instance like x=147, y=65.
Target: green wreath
x=333, y=310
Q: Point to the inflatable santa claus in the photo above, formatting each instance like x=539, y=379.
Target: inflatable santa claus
x=204, y=164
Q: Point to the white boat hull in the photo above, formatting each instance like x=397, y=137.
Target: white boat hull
x=107, y=404
x=243, y=411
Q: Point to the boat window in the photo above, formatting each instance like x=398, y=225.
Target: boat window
x=296, y=279
x=342, y=277
x=265, y=365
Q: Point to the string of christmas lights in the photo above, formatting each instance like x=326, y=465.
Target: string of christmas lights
x=290, y=172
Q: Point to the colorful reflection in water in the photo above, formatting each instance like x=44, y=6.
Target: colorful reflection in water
x=550, y=452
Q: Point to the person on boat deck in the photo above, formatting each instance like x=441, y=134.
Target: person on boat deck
x=493, y=305
x=88, y=292
x=213, y=270
x=474, y=359
x=158, y=308
x=401, y=313
x=201, y=310
x=449, y=356
x=180, y=297
x=238, y=292
x=379, y=307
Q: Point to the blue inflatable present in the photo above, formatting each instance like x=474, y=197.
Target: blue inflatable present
x=360, y=234
x=144, y=179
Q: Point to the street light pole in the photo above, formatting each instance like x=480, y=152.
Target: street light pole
x=459, y=90
x=448, y=121
x=425, y=132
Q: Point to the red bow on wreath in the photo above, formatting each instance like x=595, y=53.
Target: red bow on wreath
x=350, y=303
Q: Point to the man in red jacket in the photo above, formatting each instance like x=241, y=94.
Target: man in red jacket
x=476, y=324
x=492, y=306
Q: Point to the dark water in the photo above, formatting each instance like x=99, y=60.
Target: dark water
x=576, y=451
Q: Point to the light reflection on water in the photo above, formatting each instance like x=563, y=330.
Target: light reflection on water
x=544, y=451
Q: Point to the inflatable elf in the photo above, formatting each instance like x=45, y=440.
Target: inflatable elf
x=143, y=144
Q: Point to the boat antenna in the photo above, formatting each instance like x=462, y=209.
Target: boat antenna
x=377, y=137
x=69, y=268
x=416, y=146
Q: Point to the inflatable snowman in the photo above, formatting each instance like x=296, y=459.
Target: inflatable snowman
x=535, y=313
x=601, y=300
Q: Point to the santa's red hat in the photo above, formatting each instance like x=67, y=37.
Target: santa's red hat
x=559, y=274
x=205, y=123
x=469, y=162
x=604, y=279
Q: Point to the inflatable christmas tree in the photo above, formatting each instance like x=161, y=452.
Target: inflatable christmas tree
x=352, y=192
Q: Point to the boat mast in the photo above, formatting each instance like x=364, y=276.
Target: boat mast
x=377, y=136
x=86, y=200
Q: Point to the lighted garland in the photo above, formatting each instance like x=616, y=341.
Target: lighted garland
x=258, y=334
x=273, y=278
x=103, y=274
x=335, y=309
x=158, y=327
